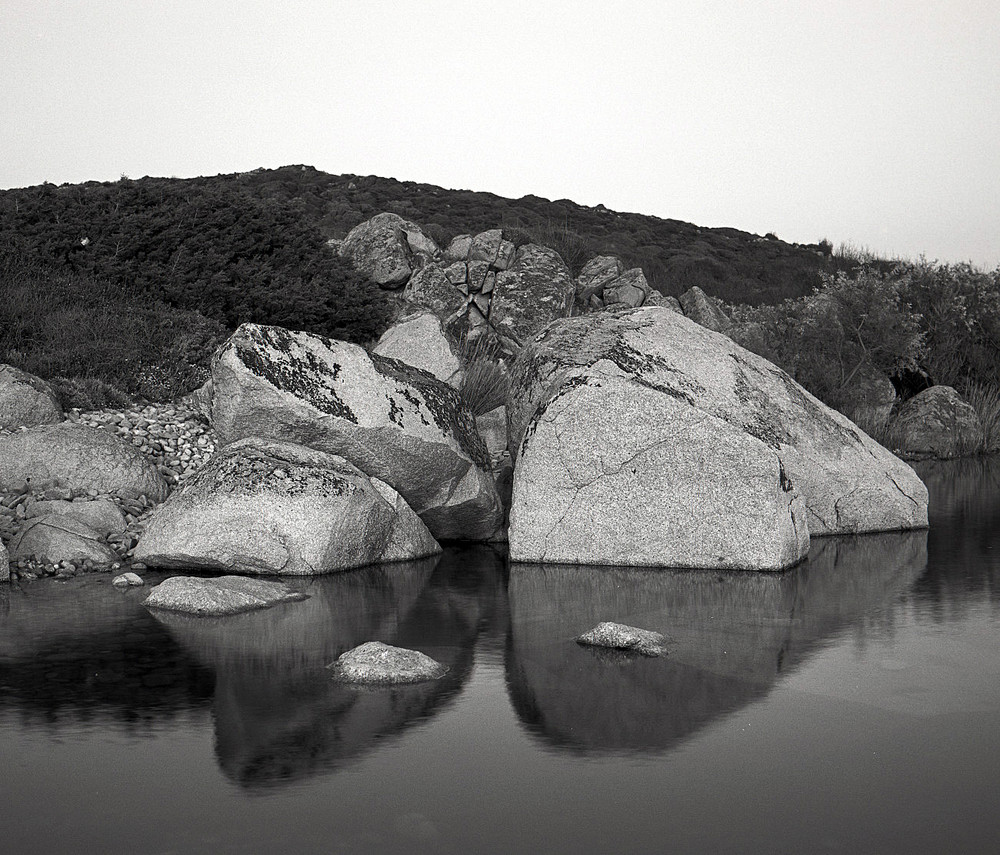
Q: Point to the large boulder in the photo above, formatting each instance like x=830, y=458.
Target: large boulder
x=394, y=422
x=537, y=288
x=849, y=482
x=702, y=309
x=56, y=538
x=383, y=248
x=224, y=595
x=80, y=458
x=262, y=506
x=101, y=515
x=26, y=400
x=612, y=471
x=937, y=423
x=419, y=340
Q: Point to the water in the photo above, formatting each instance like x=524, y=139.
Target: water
x=851, y=705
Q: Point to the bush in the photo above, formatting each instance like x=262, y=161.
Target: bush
x=486, y=383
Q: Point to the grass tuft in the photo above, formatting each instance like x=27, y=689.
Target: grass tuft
x=486, y=383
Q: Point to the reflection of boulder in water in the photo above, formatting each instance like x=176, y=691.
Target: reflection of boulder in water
x=279, y=715
x=81, y=650
x=732, y=635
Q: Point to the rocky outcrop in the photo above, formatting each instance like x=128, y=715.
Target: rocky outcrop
x=77, y=457
x=618, y=636
x=55, y=538
x=384, y=248
x=26, y=400
x=703, y=310
x=536, y=289
x=224, y=595
x=263, y=506
x=711, y=389
x=937, y=423
x=419, y=340
x=382, y=664
x=394, y=422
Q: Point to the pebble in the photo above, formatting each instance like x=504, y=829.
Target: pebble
x=174, y=438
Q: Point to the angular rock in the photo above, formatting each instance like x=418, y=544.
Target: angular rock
x=225, y=595
x=419, y=340
x=611, y=471
x=848, y=481
x=655, y=298
x=200, y=400
x=382, y=248
x=269, y=507
x=430, y=287
x=457, y=274
x=26, y=400
x=630, y=288
x=486, y=246
x=618, y=636
x=597, y=273
x=101, y=515
x=392, y=421
x=938, y=422
x=78, y=457
x=536, y=289
x=458, y=249
x=702, y=309
x=54, y=539
x=481, y=278
x=128, y=580
x=381, y=664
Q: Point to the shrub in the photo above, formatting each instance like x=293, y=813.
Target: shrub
x=486, y=383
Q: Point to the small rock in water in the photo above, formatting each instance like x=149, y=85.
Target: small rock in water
x=375, y=662
x=620, y=637
x=127, y=580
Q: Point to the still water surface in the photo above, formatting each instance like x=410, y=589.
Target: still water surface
x=851, y=705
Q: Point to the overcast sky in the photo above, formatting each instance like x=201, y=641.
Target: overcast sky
x=874, y=123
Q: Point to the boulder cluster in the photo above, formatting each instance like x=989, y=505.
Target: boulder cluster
x=633, y=431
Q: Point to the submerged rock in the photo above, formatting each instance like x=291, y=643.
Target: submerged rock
x=621, y=637
x=378, y=663
x=225, y=595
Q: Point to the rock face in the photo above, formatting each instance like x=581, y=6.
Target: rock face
x=56, y=538
x=536, y=289
x=701, y=309
x=937, y=423
x=614, y=472
x=77, y=457
x=618, y=636
x=382, y=664
x=419, y=340
x=225, y=595
x=713, y=390
x=263, y=506
x=26, y=400
x=383, y=248
x=394, y=422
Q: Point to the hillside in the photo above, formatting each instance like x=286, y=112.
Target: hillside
x=215, y=235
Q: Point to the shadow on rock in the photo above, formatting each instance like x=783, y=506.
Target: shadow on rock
x=279, y=714
x=731, y=636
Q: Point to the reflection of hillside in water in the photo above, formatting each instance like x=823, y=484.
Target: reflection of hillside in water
x=963, y=545
x=279, y=716
x=733, y=635
x=83, y=651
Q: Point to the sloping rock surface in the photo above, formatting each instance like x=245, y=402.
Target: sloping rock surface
x=394, y=422
x=938, y=422
x=419, y=340
x=78, y=457
x=375, y=662
x=701, y=309
x=26, y=400
x=848, y=481
x=225, y=595
x=263, y=506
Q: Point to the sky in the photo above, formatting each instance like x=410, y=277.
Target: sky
x=872, y=124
